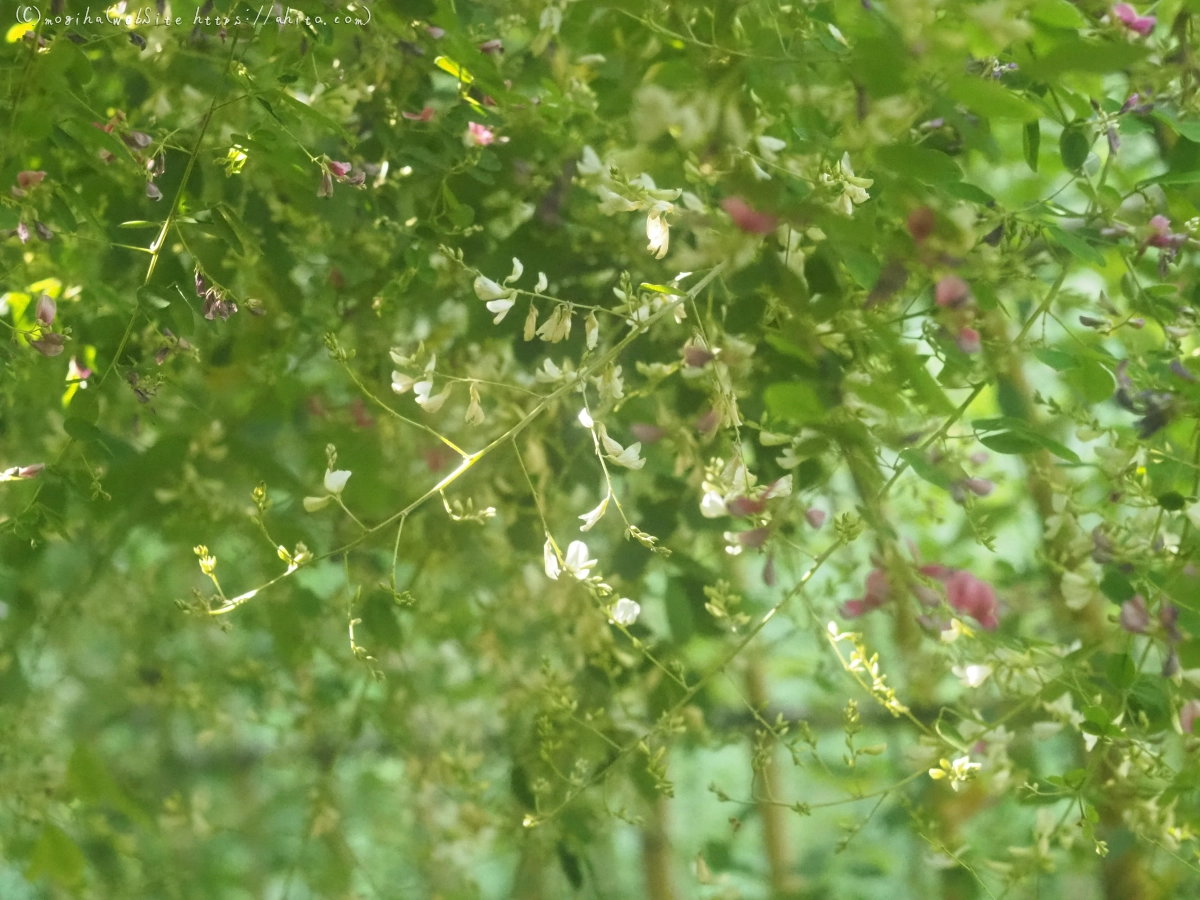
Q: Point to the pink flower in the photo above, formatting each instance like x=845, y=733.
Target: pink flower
x=45, y=310
x=980, y=487
x=768, y=573
x=968, y=340
x=744, y=506
x=875, y=594
x=1129, y=17
x=78, y=373
x=425, y=115
x=1135, y=618
x=952, y=292
x=969, y=595
x=1188, y=716
x=708, y=422
x=754, y=538
x=696, y=357
x=479, y=135
x=495, y=45
x=747, y=218
x=339, y=169
x=646, y=433
x=815, y=517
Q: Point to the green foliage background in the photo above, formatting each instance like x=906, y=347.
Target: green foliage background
x=386, y=696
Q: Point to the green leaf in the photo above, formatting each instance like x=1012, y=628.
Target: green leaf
x=1010, y=443
x=1172, y=178
x=1075, y=55
x=920, y=464
x=929, y=166
x=794, y=401
x=55, y=856
x=1189, y=130
x=446, y=64
x=1074, y=146
x=1120, y=671
x=1031, y=142
x=1092, y=379
x=1076, y=246
x=1058, y=360
x=990, y=98
x=1057, y=14
x=1172, y=501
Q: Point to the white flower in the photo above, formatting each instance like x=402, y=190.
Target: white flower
x=486, y=289
x=611, y=202
x=549, y=372
x=788, y=459
x=517, y=272
x=781, y=488
x=500, y=308
x=622, y=456
x=312, y=504
x=590, y=164
x=854, y=186
x=760, y=174
x=431, y=403
x=576, y=564
x=585, y=419
x=959, y=772
x=712, y=505
x=771, y=439
x=550, y=561
x=591, y=330
x=625, y=611
x=768, y=146
x=530, y=323
x=558, y=326
x=401, y=382
x=542, y=283
x=336, y=481
x=591, y=518
x=658, y=233
x=972, y=675
x=1077, y=590
x=610, y=384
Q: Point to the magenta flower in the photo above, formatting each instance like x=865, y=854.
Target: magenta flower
x=952, y=292
x=744, y=506
x=479, y=135
x=425, y=115
x=747, y=218
x=339, y=169
x=968, y=340
x=1129, y=17
x=969, y=595
x=1135, y=618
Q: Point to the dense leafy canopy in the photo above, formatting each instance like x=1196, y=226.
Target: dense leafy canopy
x=482, y=449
